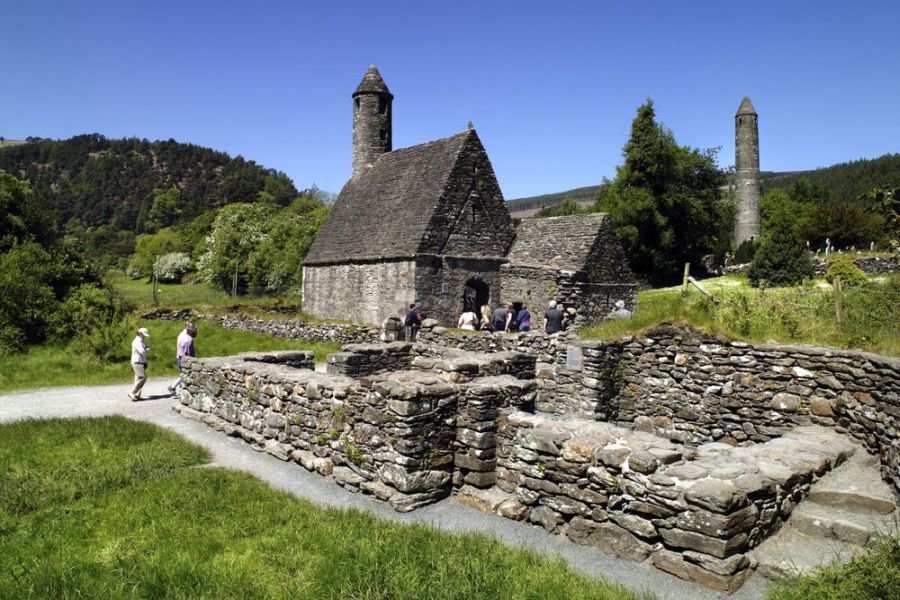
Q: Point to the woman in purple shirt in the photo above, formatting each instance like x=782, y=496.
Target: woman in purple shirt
x=185, y=347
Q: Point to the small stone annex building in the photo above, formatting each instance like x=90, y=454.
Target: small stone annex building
x=428, y=224
x=576, y=260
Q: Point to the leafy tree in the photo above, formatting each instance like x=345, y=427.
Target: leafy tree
x=885, y=201
x=666, y=201
x=172, y=266
x=781, y=259
x=744, y=253
x=569, y=206
x=781, y=201
x=236, y=232
x=276, y=264
x=165, y=209
x=845, y=224
x=148, y=249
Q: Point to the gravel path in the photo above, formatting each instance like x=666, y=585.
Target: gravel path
x=447, y=515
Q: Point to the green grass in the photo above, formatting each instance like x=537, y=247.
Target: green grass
x=203, y=298
x=155, y=528
x=56, y=364
x=870, y=314
x=874, y=575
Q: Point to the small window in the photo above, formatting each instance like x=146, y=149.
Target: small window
x=382, y=133
x=475, y=169
x=382, y=105
x=356, y=101
x=445, y=288
x=475, y=212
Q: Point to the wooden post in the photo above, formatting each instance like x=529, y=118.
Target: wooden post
x=155, y=286
x=234, y=281
x=687, y=273
x=837, y=299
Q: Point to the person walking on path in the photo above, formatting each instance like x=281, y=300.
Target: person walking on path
x=553, y=318
x=413, y=323
x=184, y=347
x=139, y=351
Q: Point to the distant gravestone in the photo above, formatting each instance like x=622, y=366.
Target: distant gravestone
x=573, y=358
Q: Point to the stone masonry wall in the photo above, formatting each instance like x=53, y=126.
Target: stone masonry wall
x=360, y=292
x=404, y=436
x=300, y=329
x=694, y=512
x=694, y=389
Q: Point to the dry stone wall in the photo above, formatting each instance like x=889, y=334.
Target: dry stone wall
x=694, y=389
x=695, y=512
x=396, y=435
x=300, y=329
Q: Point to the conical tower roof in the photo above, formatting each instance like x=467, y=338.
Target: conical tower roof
x=746, y=108
x=372, y=83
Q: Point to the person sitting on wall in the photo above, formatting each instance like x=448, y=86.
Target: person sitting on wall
x=553, y=318
x=413, y=322
x=524, y=318
x=501, y=317
x=486, y=318
x=620, y=311
x=467, y=320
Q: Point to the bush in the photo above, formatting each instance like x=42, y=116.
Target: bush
x=847, y=272
x=172, y=266
x=781, y=259
x=745, y=252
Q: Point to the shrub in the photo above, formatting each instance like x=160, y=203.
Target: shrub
x=847, y=272
x=745, y=252
x=781, y=259
x=173, y=265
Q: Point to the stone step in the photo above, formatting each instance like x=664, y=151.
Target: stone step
x=859, y=527
x=791, y=552
x=855, y=485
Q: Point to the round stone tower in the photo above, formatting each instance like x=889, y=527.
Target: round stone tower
x=746, y=162
x=371, y=121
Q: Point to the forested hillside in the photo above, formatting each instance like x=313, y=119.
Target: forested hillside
x=91, y=181
x=843, y=182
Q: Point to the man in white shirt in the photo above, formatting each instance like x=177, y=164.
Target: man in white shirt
x=139, y=351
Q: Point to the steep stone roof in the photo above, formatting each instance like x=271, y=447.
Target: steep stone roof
x=746, y=108
x=557, y=242
x=372, y=83
x=386, y=211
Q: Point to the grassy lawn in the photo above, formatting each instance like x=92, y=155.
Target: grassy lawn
x=56, y=364
x=110, y=508
x=870, y=313
x=873, y=575
x=205, y=299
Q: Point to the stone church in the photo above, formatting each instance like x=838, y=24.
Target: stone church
x=424, y=224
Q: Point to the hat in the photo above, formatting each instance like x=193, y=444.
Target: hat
x=143, y=331
x=552, y=304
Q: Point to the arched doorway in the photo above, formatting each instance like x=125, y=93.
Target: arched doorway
x=475, y=294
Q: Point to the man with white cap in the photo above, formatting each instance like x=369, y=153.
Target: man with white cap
x=139, y=351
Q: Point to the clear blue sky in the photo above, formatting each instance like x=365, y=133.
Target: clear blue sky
x=551, y=87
